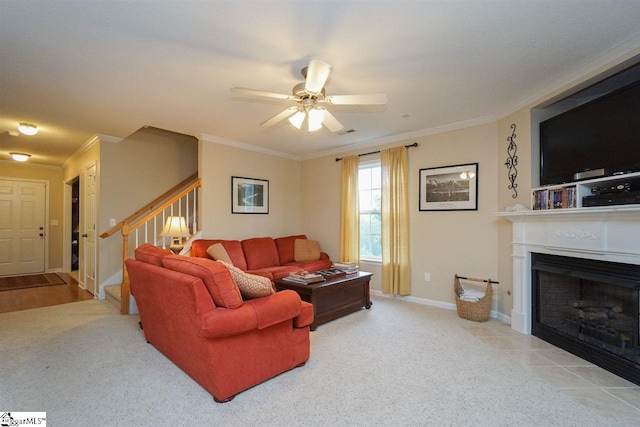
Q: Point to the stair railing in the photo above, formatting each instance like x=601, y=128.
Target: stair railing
x=146, y=224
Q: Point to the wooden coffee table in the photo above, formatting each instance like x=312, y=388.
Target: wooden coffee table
x=333, y=298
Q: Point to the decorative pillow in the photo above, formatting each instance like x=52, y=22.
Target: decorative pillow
x=216, y=278
x=285, y=247
x=219, y=253
x=250, y=285
x=306, y=250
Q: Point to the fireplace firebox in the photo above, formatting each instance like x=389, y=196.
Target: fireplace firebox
x=589, y=308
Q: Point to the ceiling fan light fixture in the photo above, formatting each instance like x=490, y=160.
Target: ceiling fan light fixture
x=316, y=117
x=467, y=175
x=297, y=119
x=28, y=129
x=20, y=157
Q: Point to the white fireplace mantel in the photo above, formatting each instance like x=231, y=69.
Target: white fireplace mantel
x=604, y=233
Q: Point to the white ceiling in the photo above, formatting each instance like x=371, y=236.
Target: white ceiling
x=80, y=68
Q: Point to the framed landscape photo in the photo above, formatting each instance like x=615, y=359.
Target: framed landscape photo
x=249, y=195
x=449, y=188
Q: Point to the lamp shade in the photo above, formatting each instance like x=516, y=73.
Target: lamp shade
x=175, y=227
x=297, y=119
x=315, y=119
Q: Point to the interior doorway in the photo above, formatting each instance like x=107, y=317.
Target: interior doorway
x=23, y=237
x=75, y=228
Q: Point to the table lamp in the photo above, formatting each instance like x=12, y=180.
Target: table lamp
x=176, y=228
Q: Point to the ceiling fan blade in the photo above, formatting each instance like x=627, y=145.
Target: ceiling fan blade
x=330, y=122
x=262, y=93
x=370, y=99
x=317, y=75
x=280, y=116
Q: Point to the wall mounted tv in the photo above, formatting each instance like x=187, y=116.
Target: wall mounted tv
x=599, y=138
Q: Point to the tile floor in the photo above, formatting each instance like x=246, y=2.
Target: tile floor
x=588, y=384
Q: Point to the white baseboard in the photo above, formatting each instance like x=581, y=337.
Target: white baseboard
x=433, y=303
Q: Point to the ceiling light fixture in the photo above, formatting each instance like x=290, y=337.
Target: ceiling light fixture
x=28, y=129
x=20, y=157
x=314, y=116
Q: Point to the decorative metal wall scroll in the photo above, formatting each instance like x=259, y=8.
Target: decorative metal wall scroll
x=512, y=161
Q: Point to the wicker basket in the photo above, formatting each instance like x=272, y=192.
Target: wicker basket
x=478, y=311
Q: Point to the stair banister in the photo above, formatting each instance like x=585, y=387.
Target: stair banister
x=127, y=226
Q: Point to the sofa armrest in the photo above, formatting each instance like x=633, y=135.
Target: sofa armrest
x=254, y=314
x=305, y=318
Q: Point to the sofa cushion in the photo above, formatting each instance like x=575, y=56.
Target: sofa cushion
x=260, y=252
x=151, y=254
x=216, y=278
x=250, y=285
x=321, y=264
x=285, y=248
x=233, y=247
x=306, y=250
x=219, y=253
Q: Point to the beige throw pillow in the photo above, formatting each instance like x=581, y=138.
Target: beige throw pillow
x=250, y=285
x=219, y=253
x=306, y=250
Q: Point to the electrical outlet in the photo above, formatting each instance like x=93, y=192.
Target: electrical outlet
x=427, y=277
x=112, y=222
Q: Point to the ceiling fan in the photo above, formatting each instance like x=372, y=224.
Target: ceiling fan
x=310, y=99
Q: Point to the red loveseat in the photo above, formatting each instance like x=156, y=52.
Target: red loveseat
x=264, y=256
x=192, y=311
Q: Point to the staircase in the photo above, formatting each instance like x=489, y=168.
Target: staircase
x=113, y=294
x=146, y=225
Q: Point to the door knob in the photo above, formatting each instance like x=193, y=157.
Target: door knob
x=41, y=234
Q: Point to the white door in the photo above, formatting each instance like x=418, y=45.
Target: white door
x=22, y=227
x=89, y=230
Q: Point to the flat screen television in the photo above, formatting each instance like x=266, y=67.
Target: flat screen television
x=599, y=138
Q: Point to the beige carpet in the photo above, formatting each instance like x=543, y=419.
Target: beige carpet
x=29, y=281
x=398, y=364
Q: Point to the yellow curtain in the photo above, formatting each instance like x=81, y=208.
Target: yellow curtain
x=349, y=211
x=396, y=268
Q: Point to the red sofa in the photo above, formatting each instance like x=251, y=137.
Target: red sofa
x=191, y=310
x=265, y=256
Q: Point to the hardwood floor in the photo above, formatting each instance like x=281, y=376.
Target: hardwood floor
x=43, y=296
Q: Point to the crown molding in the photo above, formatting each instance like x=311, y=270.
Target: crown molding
x=403, y=137
x=614, y=57
x=248, y=147
x=90, y=143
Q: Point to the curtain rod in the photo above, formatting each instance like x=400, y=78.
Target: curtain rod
x=415, y=144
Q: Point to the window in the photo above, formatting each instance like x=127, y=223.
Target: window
x=370, y=191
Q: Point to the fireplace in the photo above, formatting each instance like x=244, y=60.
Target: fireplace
x=596, y=239
x=589, y=308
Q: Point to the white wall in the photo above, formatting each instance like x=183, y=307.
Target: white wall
x=442, y=243
x=218, y=163
x=133, y=172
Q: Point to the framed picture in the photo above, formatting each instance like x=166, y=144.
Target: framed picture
x=449, y=188
x=249, y=195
